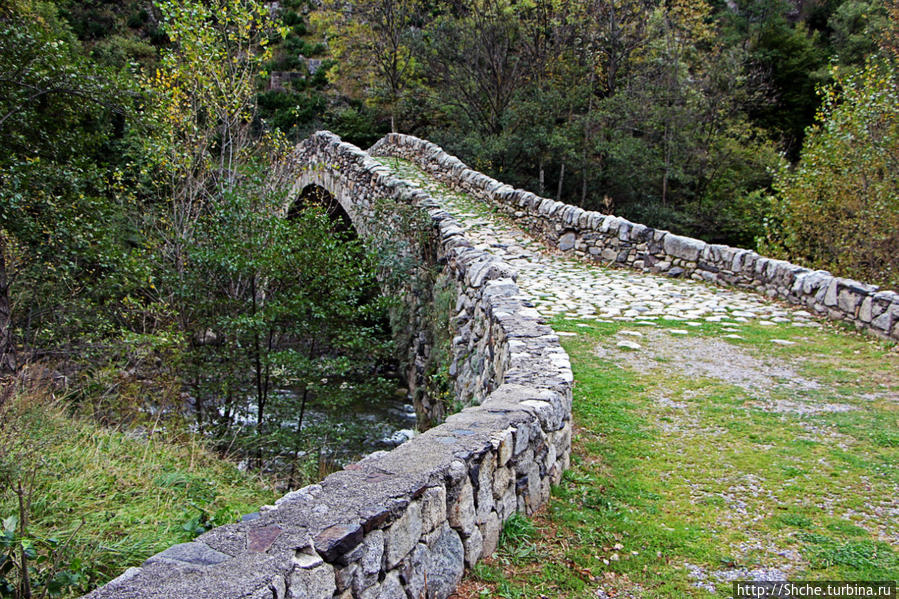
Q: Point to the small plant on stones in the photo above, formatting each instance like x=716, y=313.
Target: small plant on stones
x=205, y=520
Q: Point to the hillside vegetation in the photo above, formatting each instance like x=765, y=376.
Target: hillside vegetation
x=736, y=122
x=101, y=499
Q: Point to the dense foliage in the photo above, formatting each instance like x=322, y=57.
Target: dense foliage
x=838, y=208
x=146, y=257
x=672, y=113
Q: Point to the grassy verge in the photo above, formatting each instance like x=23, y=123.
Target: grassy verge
x=689, y=473
x=102, y=500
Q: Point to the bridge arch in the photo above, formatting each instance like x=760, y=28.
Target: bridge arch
x=314, y=195
x=405, y=522
x=318, y=181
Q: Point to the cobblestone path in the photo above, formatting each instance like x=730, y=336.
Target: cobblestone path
x=561, y=285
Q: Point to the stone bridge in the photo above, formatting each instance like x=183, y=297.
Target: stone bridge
x=405, y=524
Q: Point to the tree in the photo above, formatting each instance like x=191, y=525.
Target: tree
x=64, y=225
x=787, y=60
x=267, y=307
x=286, y=320
x=839, y=208
x=474, y=62
x=673, y=143
x=856, y=26
x=203, y=105
x=373, y=42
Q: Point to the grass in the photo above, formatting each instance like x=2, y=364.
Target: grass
x=661, y=496
x=112, y=498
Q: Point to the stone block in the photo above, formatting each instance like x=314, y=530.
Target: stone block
x=433, y=508
x=609, y=255
x=490, y=530
x=685, y=248
x=522, y=436
x=609, y=223
x=883, y=322
x=404, y=534
x=830, y=294
x=501, y=481
x=313, y=582
x=445, y=564
x=509, y=502
x=485, y=502
x=371, y=563
x=506, y=445
x=344, y=577
x=391, y=587
x=194, y=554
x=848, y=301
x=474, y=547
x=461, y=514
x=413, y=571
x=567, y=241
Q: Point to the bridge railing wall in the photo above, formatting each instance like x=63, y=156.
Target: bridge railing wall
x=405, y=523
x=610, y=239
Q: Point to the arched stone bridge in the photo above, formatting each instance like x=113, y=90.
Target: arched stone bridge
x=406, y=523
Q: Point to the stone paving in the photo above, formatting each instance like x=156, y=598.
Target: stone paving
x=560, y=285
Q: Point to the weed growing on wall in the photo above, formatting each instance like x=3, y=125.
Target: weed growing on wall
x=439, y=381
x=422, y=304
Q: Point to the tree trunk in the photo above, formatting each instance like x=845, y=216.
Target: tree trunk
x=587, y=138
x=261, y=394
x=296, y=451
x=541, y=178
x=561, y=179
x=7, y=345
x=296, y=445
x=584, y=184
x=667, y=167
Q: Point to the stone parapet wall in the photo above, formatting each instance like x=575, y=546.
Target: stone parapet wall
x=610, y=239
x=401, y=524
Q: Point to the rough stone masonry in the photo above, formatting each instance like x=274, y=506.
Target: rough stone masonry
x=402, y=524
x=610, y=239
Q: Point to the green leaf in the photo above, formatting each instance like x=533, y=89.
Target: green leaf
x=10, y=523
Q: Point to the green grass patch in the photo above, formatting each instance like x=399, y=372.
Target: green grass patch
x=717, y=479
x=111, y=498
x=680, y=472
